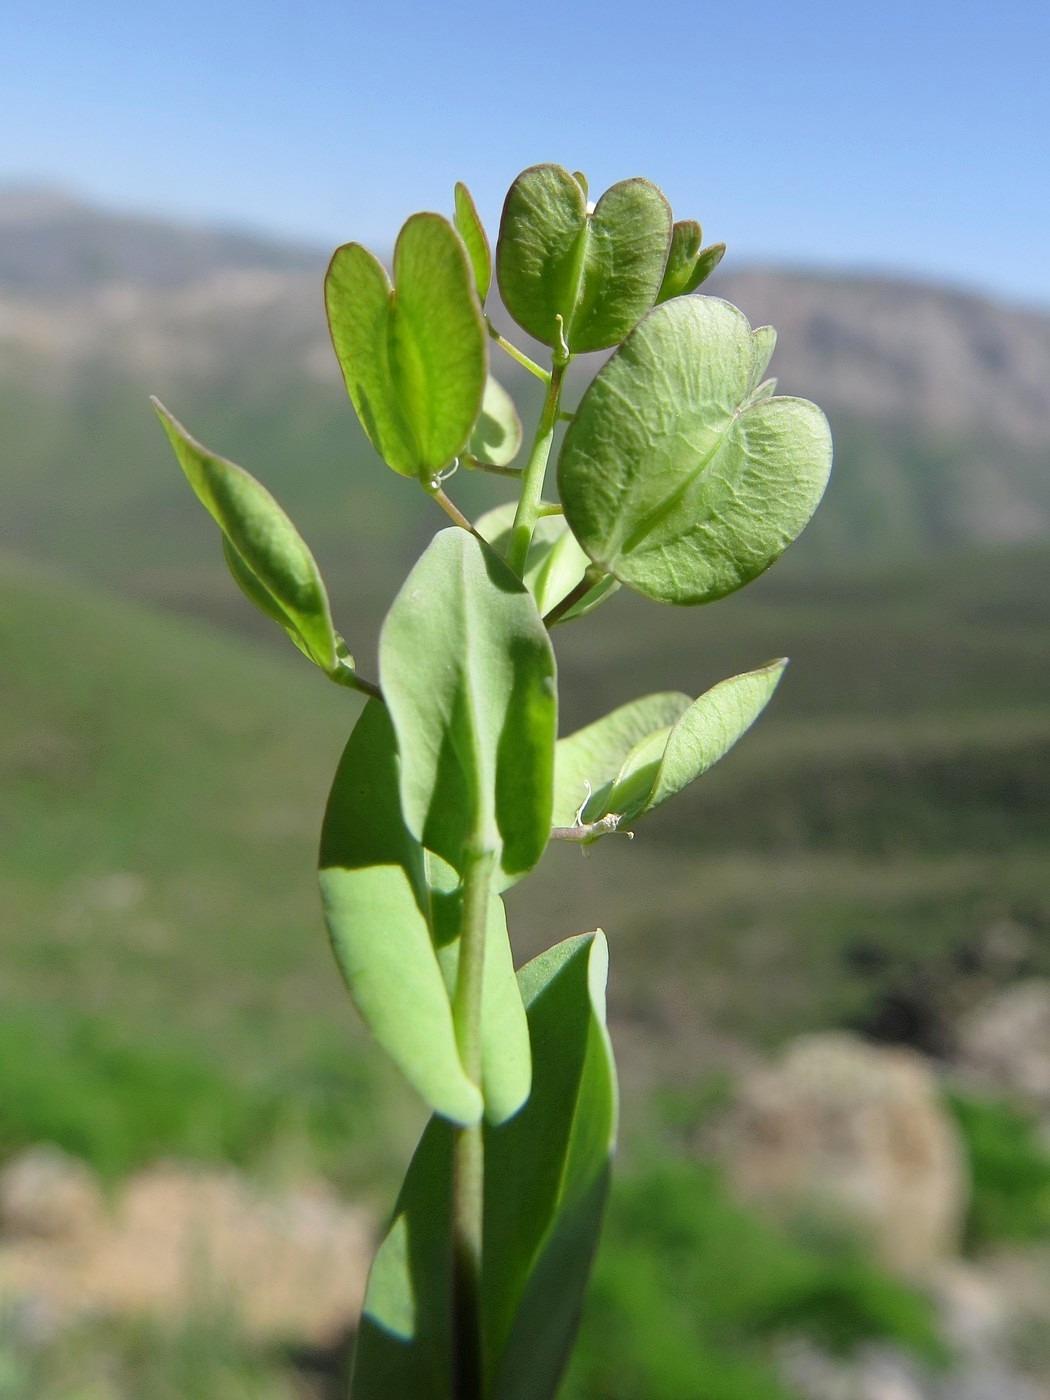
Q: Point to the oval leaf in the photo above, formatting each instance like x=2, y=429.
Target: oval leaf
x=600, y=271
x=669, y=759
x=374, y=890
x=587, y=762
x=467, y=670
x=710, y=728
x=414, y=356
x=265, y=553
x=546, y=1179
x=671, y=479
x=472, y=231
x=497, y=433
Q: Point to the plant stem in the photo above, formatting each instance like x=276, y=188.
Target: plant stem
x=472, y=464
x=342, y=675
x=589, y=831
x=450, y=508
x=468, y=1172
x=535, y=470
x=590, y=580
x=516, y=354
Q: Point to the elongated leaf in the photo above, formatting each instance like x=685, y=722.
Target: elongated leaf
x=546, y=1178
x=414, y=356
x=587, y=762
x=468, y=673
x=548, y=1170
x=373, y=884
x=706, y=262
x=472, y=231
x=265, y=553
x=672, y=757
x=671, y=479
x=506, y=1060
x=404, y=1341
x=497, y=433
x=710, y=728
x=600, y=271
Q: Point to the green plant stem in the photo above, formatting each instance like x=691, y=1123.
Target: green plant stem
x=516, y=354
x=530, y=501
x=342, y=675
x=468, y=1179
x=473, y=464
x=450, y=508
x=591, y=579
x=590, y=831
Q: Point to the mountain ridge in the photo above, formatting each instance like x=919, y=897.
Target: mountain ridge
x=937, y=398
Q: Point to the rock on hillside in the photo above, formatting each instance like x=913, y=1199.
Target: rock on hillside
x=853, y=1137
x=291, y=1265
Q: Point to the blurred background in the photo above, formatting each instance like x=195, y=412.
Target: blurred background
x=830, y=988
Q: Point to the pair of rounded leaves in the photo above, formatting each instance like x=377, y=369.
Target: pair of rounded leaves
x=599, y=271
x=680, y=474
x=414, y=354
x=264, y=552
x=645, y=752
x=546, y=1181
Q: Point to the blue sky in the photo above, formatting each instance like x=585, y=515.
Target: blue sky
x=899, y=137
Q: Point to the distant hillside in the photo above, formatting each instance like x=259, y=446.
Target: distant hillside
x=938, y=401
x=55, y=246
x=906, y=353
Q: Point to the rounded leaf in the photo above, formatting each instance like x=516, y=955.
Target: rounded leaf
x=672, y=478
x=497, y=433
x=599, y=270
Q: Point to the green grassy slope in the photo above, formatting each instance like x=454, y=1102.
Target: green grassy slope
x=162, y=789
x=858, y=856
